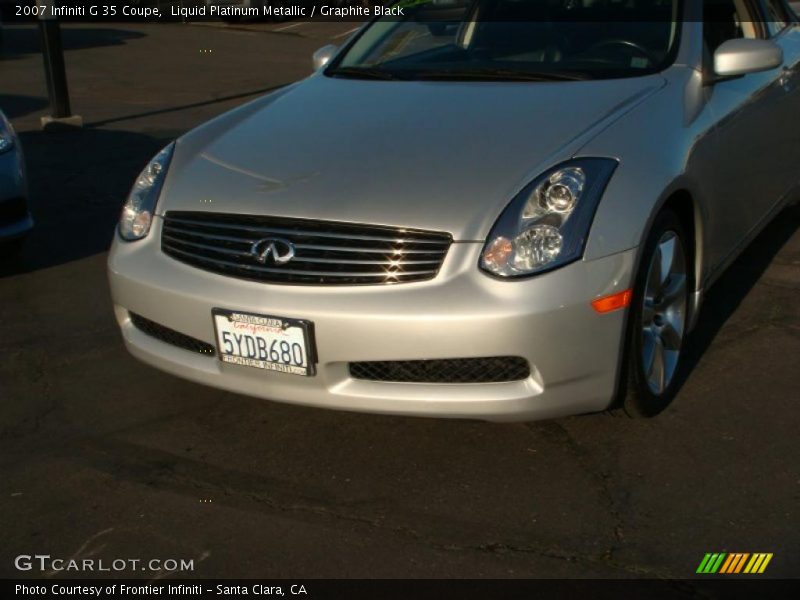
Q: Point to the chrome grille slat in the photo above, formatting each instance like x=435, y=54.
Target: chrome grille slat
x=267, y=231
x=333, y=261
x=365, y=250
x=206, y=246
x=324, y=252
x=251, y=240
x=291, y=271
x=387, y=263
x=203, y=234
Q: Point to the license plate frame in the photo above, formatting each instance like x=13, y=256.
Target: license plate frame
x=267, y=322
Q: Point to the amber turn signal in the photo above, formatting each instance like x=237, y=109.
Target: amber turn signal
x=612, y=302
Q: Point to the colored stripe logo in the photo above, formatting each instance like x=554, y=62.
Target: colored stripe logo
x=734, y=563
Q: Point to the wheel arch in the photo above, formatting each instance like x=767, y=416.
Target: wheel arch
x=683, y=202
x=684, y=205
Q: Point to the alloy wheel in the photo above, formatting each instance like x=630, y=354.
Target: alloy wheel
x=664, y=313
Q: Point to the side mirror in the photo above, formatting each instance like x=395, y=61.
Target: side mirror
x=743, y=56
x=324, y=55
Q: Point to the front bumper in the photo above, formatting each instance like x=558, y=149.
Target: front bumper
x=462, y=313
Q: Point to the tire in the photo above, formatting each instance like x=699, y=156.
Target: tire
x=657, y=320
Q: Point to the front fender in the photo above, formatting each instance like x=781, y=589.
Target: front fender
x=655, y=145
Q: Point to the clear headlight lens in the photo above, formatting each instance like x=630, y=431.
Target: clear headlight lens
x=137, y=214
x=563, y=189
x=547, y=224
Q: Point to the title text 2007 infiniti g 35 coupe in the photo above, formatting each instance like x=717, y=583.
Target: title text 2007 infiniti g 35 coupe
x=496, y=209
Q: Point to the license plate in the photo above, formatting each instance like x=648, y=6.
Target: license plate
x=264, y=342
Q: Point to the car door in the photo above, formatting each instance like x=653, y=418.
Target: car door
x=785, y=31
x=741, y=177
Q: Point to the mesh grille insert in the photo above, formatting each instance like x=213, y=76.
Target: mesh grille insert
x=170, y=336
x=494, y=369
x=319, y=252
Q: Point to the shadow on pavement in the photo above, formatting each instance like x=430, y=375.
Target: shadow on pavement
x=79, y=179
x=78, y=182
x=15, y=106
x=727, y=293
x=20, y=41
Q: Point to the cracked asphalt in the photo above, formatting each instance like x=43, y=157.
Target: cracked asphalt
x=103, y=457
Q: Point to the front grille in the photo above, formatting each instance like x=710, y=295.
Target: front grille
x=12, y=211
x=495, y=369
x=325, y=252
x=170, y=336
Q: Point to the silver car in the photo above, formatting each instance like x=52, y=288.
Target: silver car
x=15, y=219
x=493, y=209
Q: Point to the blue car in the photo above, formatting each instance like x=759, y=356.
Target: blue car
x=15, y=219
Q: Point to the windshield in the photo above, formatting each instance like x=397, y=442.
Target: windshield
x=515, y=40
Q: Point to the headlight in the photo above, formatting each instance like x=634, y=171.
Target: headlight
x=547, y=223
x=6, y=135
x=137, y=214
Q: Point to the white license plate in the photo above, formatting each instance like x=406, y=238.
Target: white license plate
x=264, y=342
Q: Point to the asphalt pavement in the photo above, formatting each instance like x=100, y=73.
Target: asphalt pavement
x=104, y=457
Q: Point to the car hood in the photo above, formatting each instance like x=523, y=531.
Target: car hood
x=444, y=156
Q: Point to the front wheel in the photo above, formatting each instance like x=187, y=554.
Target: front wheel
x=657, y=320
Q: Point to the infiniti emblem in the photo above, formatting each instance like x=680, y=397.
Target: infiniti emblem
x=282, y=251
